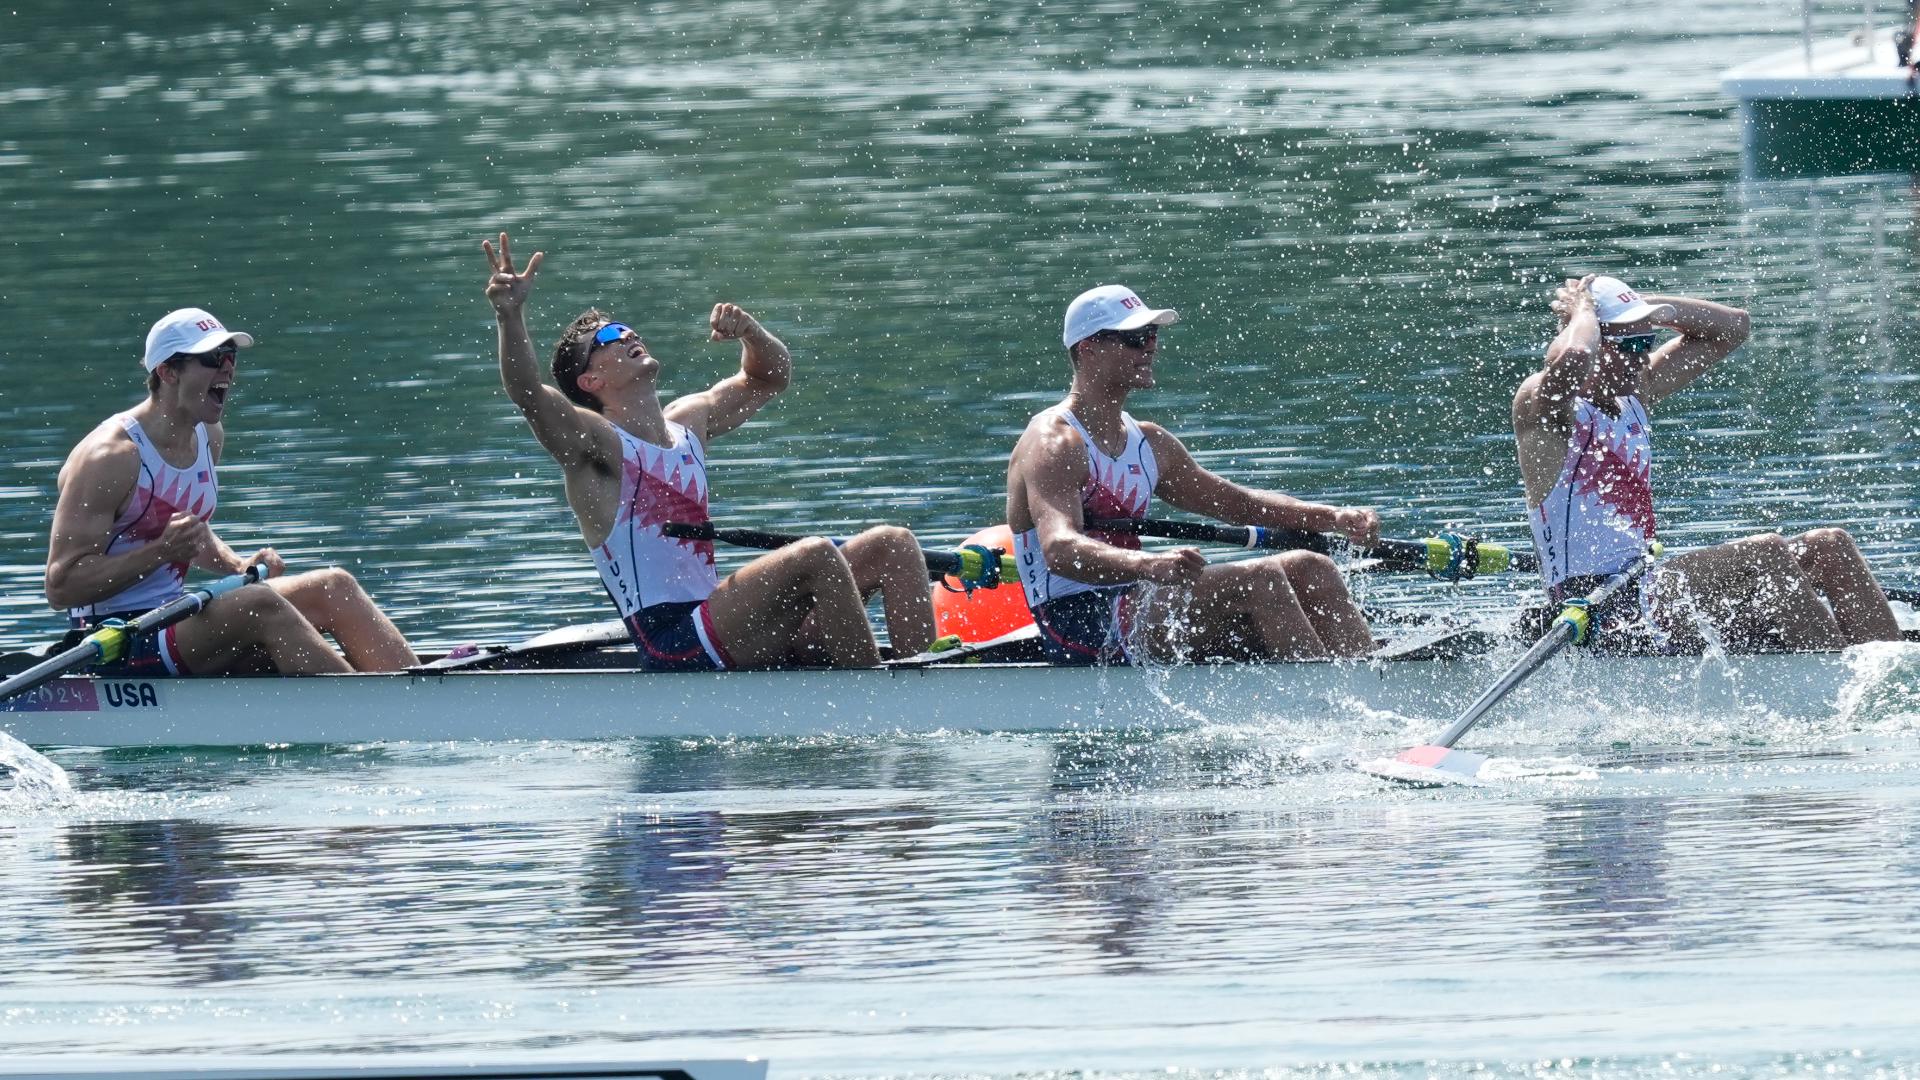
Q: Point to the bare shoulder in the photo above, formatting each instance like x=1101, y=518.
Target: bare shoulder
x=691, y=411
x=1162, y=440
x=1531, y=408
x=103, y=462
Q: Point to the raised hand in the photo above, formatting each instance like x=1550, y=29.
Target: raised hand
x=730, y=322
x=1572, y=297
x=507, y=288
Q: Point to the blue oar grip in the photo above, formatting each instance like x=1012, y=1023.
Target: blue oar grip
x=234, y=581
x=1256, y=537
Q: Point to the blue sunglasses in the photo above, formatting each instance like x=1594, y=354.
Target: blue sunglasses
x=1634, y=344
x=611, y=333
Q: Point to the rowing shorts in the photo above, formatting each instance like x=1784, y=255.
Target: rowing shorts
x=151, y=656
x=1624, y=625
x=677, y=637
x=1086, y=627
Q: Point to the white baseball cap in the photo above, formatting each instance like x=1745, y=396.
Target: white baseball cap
x=189, y=329
x=1111, y=307
x=1614, y=301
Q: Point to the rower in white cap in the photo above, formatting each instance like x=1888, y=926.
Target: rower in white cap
x=1090, y=591
x=1584, y=437
x=136, y=498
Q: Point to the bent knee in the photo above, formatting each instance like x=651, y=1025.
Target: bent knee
x=1309, y=567
x=894, y=538
x=817, y=553
x=1767, y=548
x=1829, y=541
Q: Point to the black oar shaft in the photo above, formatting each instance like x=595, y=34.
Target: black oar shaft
x=1432, y=555
x=960, y=564
x=94, y=647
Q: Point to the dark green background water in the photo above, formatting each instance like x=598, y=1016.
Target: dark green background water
x=1359, y=208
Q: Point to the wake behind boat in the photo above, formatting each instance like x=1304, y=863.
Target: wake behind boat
x=583, y=691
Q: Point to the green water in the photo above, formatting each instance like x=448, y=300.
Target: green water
x=1360, y=209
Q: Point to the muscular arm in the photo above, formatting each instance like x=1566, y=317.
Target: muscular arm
x=94, y=484
x=1045, y=474
x=766, y=369
x=1189, y=486
x=1546, y=400
x=574, y=436
x=564, y=429
x=1708, y=333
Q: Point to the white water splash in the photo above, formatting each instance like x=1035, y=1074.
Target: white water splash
x=1884, y=692
x=34, y=780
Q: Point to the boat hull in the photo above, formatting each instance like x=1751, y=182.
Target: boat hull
x=615, y=704
x=1840, y=106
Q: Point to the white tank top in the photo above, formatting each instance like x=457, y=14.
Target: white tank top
x=1598, y=517
x=160, y=492
x=1115, y=487
x=639, y=566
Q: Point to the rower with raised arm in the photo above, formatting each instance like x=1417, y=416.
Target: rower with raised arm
x=1086, y=459
x=136, y=499
x=631, y=466
x=1584, y=436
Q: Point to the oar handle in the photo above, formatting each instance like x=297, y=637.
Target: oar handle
x=1446, y=556
x=109, y=642
x=965, y=564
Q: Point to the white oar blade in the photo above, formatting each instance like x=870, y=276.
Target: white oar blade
x=1430, y=766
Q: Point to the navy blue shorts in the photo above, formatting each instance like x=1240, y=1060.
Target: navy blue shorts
x=1624, y=625
x=677, y=637
x=1086, y=628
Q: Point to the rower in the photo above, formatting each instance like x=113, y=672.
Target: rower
x=1095, y=596
x=631, y=466
x=1584, y=437
x=136, y=498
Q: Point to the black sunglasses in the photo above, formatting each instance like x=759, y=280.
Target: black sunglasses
x=1133, y=339
x=215, y=358
x=1633, y=345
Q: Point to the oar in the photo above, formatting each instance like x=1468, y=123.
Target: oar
x=110, y=642
x=968, y=564
x=1446, y=555
x=1437, y=762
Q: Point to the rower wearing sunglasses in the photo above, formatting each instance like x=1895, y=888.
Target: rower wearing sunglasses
x=1584, y=433
x=632, y=465
x=1096, y=597
x=136, y=499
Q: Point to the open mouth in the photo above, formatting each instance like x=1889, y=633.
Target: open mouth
x=218, y=392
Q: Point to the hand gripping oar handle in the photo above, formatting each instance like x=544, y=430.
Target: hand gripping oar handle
x=967, y=564
x=110, y=641
x=1572, y=625
x=1447, y=555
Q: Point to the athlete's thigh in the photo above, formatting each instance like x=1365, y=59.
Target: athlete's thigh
x=316, y=591
x=1728, y=585
x=1213, y=617
x=759, y=610
x=224, y=637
